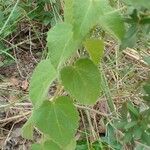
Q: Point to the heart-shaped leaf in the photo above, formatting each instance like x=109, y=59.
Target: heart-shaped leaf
x=58, y=119
x=82, y=81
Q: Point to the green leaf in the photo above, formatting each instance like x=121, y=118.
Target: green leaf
x=60, y=44
x=88, y=14
x=138, y=3
x=95, y=48
x=71, y=145
x=85, y=15
x=124, y=112
x=68, y=11
x=111, y=138
x=36, y=147
x=43, y=75
x=139, y=147
x=130, y=38
x=111, y=20
x=27, y=129
x=50, y=145
x=82, y=81
x=137, y=131
x=146, y=88
x=133, y=110
x=130, y=125
x=120, y=124
x=145, y=138
x=147, y=59
x=1, y=64
x=58, y=119
x=92, y=12
x=82, y=146
x=128, y=137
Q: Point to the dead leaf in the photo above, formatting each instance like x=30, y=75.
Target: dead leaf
x=14, y=81
x=25, y=85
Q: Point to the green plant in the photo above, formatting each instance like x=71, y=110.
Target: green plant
x=47, y=12
x=134, y=124
x=57, y=118
x=137, y=18
x=10, y=14
x=14, y=13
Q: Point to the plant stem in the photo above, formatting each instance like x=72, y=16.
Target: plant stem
x=107, y=93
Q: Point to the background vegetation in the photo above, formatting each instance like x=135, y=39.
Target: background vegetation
x=121, y=117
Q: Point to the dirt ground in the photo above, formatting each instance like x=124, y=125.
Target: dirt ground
x=15, y=107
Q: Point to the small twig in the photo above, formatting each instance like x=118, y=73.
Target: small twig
x=92, y=130
x=93, y=110
x=14, y=117
x=85, y=129
x=133, y=54
x=15, y=104
x=142, y=144
x=31, y=46
x=10, y=131
x=17, y=64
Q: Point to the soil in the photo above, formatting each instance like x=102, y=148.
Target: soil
x=15, y=106
x=14, y=102
x=14, y=83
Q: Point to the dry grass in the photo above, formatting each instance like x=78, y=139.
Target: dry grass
x=125, y=75
x=125, y=72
